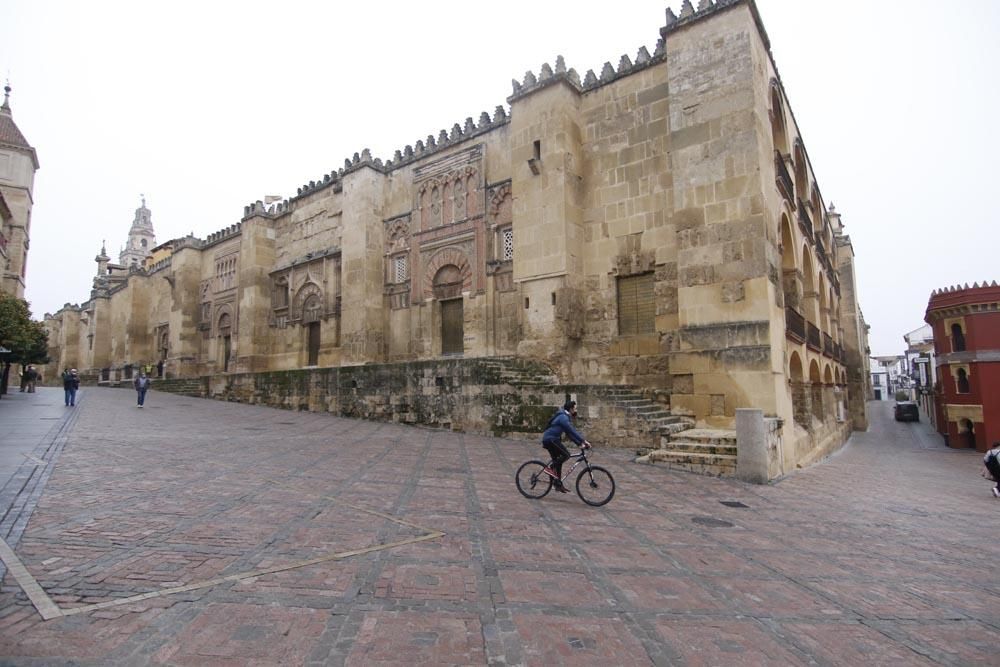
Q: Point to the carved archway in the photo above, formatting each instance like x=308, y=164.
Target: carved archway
x=309, y=303
x=462, y=277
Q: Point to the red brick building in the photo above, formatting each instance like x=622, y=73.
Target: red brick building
x=966, y=323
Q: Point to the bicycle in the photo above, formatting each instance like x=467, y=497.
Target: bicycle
x=594, y=484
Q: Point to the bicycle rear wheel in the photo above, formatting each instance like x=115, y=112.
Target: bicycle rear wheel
x=531, y=481
x=595, y=486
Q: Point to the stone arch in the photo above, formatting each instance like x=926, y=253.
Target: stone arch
x=818, y=215
x=827, y=374
x=500, y=204
x=224, y=321
x=779, y=132
x=808, y=274
x=795, y=367
x=801, y=175
x=447, y=256
x=309, y=296
x=814, y=376
x=787, y=237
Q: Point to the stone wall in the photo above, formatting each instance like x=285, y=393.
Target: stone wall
x=467, y=395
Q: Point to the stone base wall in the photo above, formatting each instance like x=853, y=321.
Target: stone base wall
x=467, y=395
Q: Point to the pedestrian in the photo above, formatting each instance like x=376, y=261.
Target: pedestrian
x=24, y=379
x=71, y=382
x=141, y=384
x=992, y=463
x=32, y=378
x=558, y=425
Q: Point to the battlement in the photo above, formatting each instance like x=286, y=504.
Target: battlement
x=962, y=288
x=222, y=235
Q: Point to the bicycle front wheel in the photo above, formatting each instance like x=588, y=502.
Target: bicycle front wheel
x=531, y=481
x=595, y=486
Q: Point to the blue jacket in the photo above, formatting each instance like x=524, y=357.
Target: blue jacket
x=559, y=424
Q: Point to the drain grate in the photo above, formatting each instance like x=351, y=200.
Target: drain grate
x=711, y=522
x=733, y=503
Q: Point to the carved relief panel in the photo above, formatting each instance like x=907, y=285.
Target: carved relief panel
x=500, y=251
x=449, y=189
x=397, y=261
x=307, y=291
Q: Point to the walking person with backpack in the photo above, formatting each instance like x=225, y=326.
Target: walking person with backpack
x=141, y=384
x=560, y=424
x=992, y=463
x=71, y=382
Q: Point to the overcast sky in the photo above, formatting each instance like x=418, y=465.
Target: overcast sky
x=206, y=106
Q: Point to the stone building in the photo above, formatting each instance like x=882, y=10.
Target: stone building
x=18, y=164
x=655, y=224
x=966, y=324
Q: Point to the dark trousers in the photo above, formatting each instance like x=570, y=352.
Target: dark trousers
x=71, y=396
x=994, y=467
x=142, y=395
x=559, y=454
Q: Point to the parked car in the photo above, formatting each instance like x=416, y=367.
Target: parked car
x=907, y=411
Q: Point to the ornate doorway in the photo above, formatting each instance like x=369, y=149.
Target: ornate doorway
x=225, y=332
x=448, y=291
x=452, y=331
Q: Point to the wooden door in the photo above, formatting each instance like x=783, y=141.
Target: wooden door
x=452, y=323
x=313, y=343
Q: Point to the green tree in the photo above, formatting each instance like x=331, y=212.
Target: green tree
x=26, y=339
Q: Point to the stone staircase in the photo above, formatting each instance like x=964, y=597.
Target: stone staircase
x=195, y=386
x=515, y=372
x=703, y=451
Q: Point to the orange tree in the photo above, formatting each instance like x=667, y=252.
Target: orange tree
x=22, y=339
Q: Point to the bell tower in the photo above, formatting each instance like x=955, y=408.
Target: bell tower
x=141, y=239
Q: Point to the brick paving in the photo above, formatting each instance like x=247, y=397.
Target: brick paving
x=195, y=532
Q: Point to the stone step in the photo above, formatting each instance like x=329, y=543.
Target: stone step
x=714, y=465
x=689, y=447
x=709, y=436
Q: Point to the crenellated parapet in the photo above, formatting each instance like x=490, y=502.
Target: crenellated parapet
x=222, y=235
x=961, y=288
x=706, y=8
x=547, y=76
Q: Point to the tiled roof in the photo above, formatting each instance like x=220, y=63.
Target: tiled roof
x=9, y=134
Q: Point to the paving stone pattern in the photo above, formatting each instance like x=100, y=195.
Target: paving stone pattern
x=881, y=555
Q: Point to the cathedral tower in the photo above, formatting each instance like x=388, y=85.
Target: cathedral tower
x=18, y=164
x=141, y=239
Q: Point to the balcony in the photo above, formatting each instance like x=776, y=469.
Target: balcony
x=813, y=341
x=805, y=222
x=828, y=348
x=795, y=325
x=782, y=178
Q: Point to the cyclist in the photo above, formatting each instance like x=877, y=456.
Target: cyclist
x=552, y=441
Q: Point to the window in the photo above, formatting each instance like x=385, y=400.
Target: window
x=635, y=305
x=400, y=269
x=281, y=295
x=507, y=244
x=962, y=381
x=957, y=338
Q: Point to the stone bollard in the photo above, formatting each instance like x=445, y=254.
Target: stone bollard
x=751, y=446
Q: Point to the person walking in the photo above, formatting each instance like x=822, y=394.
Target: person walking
x=32, y=379
x=141, y=384
x=71, y=382
x=992, y=463
x=558, y=425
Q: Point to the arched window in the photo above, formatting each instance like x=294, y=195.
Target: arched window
x=962, y=381
x=957, y=338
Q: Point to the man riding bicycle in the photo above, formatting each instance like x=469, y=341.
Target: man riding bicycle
x=552, y=441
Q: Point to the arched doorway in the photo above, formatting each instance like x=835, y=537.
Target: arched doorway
x=226, y=334
x=310, y=319
x=448, y=291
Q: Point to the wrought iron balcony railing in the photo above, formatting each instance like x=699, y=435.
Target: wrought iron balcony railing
x=795, y=325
